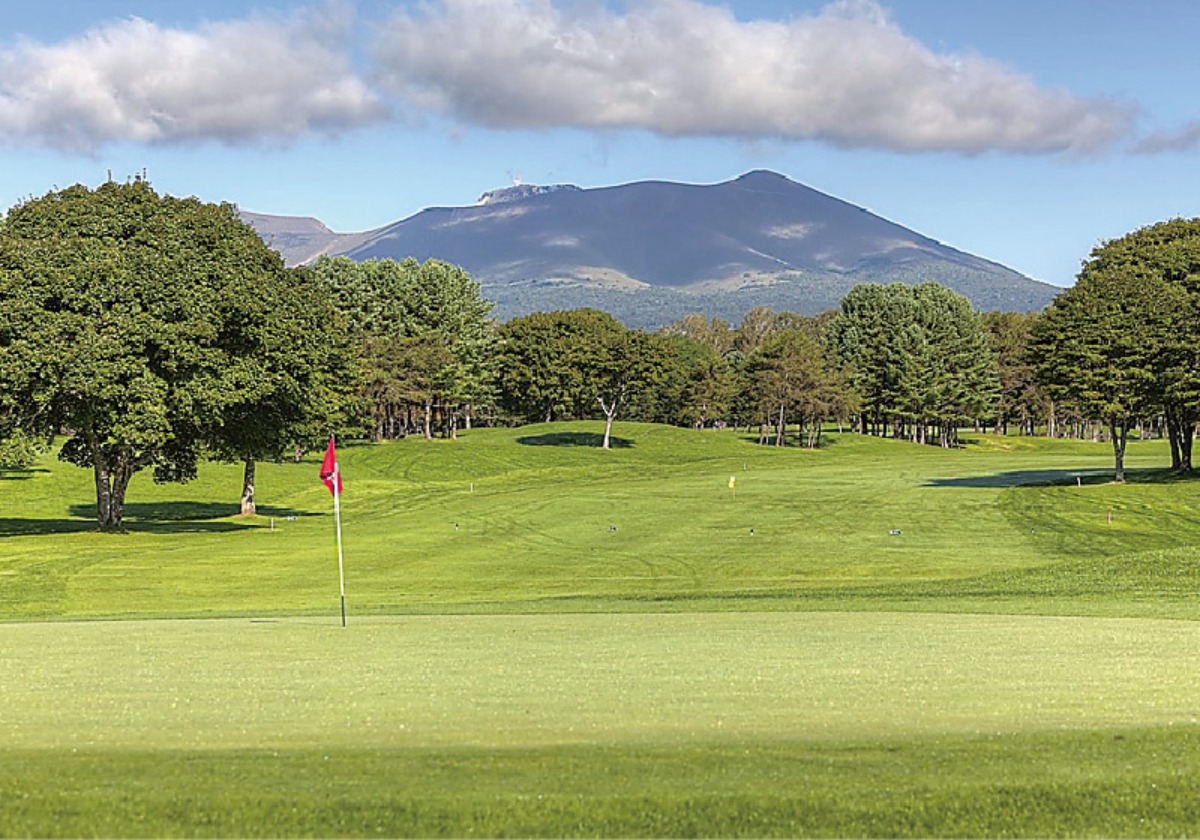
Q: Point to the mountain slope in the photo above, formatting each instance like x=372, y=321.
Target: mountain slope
x=651, y=251
x=300, y=239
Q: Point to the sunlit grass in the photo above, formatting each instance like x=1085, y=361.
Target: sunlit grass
x=505, y=520
x=711, y=723
x=545, y=639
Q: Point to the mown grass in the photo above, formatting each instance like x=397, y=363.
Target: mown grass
x=493, y=523
x=1126, y=783
x=550, y=640
x=718, y=724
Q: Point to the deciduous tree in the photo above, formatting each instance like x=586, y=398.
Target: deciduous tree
x=132, y=321
x=1096, y=346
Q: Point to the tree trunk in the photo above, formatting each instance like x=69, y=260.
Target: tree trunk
x=107, y=519
x=428, y=420
x=248, y=508
x=782, y=426
x=1174, y=438
x=1181, y=427
x=1118, y=433
x=112, y=481
x=1186, y=435
x=610, y=411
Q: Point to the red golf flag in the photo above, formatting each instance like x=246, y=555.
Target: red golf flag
x=329, y=470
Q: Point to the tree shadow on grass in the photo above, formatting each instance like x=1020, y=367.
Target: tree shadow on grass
x=1049, y=478
x=147, y=518
x=147, y=512
x=574, y=439
x=192, y=517
x=793, y=440
x=11, y=474
x=44, y=527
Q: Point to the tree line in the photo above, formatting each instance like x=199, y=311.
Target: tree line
x=911, y=361
x=155, y=332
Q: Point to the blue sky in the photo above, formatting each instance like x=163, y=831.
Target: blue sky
x=1025, y=132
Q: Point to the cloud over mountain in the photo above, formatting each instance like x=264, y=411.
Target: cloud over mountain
x=848, y=75
x=236, y=81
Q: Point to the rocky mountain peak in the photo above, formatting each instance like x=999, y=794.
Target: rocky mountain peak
x=518, y=192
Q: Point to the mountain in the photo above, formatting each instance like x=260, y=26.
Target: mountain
x=652, y=251
x=300, y=239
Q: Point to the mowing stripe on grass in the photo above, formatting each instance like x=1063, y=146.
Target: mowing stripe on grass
x=1126, y=783
x=586, y=679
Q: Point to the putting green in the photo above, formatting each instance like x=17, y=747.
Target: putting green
x=543, y=680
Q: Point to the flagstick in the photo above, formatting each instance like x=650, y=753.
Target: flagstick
x=337, y=516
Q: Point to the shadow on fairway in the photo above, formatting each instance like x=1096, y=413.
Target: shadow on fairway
x=20, y=475
x=792, y=441
x=44, y=527
x=182, y=511
x=166, y=518
x=1045, y=478
x=47, y=527
x=574, y=439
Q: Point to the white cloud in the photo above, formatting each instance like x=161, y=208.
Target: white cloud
x=233, y=82
x=1181, y=140
x=847, y=76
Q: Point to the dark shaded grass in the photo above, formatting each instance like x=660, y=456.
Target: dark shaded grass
x=1082, y=784
x=588, y=439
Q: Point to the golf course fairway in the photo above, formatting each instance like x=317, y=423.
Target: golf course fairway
x=870, y=639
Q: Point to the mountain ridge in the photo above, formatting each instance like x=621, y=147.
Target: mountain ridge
x=650, y=251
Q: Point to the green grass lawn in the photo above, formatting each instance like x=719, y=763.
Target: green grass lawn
x=627, y=724
x=1010, y=664
x=982, y=529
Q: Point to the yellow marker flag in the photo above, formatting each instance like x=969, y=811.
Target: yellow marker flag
x=732, y=483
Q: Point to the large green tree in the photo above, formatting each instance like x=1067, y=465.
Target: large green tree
x=1099, y=346
x=129, y=321
x=1021, y=401
x=696, y=387
x=1169, y=253
x=541, y=364
x=920, y=358
x=404, y=310
x=794, y=377
x=290, y=372
x=576, y=364
x=618, y=367
x=866, y=333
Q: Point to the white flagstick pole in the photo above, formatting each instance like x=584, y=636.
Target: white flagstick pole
x=337, y=516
